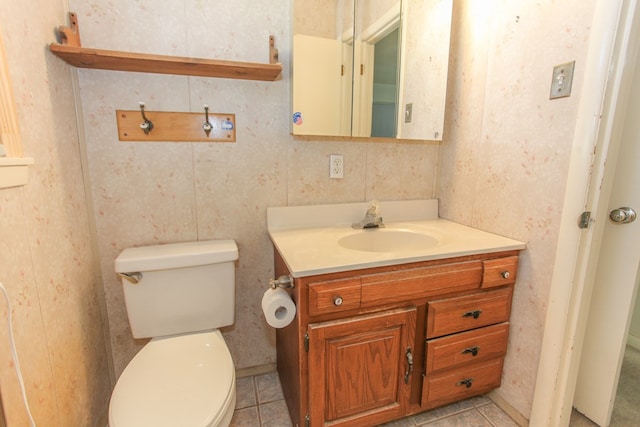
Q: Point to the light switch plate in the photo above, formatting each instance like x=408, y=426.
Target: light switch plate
x=561, y=80
x=408, y=112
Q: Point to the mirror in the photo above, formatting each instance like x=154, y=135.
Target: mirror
x=397, y=87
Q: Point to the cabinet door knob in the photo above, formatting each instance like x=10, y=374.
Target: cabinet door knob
x=475, y=314
x=505, y=274
x=337, y=301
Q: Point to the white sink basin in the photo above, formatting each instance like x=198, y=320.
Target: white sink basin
x=386, y=240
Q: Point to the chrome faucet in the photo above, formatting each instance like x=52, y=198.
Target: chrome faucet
x=372, y=218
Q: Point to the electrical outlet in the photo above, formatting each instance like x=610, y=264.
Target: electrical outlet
x=336, y=166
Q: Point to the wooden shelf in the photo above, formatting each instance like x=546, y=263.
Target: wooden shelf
x=73, y=53
x=148, y=63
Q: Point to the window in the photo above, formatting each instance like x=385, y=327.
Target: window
x=13, y=166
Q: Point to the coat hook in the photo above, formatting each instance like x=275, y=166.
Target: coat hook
x=207, y=126
x=146, y=125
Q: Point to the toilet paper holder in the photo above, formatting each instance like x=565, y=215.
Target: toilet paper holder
x=285, y=282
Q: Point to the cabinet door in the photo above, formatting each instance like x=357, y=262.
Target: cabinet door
x=360, y=369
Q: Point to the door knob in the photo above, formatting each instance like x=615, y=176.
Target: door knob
x=622, y=215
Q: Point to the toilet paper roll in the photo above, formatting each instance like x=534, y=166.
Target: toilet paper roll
x=278, y=307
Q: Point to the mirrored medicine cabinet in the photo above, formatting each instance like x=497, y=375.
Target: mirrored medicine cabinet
x=370, y=68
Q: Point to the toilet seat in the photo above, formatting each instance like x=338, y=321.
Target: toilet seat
x=183, y=380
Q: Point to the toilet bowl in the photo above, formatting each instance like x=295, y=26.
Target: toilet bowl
x=184, y=380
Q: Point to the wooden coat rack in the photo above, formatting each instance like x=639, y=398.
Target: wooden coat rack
x=142, y=125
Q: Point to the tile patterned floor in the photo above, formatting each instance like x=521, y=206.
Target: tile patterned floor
x=260, y=404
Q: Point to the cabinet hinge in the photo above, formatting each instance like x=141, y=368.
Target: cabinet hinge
x=342, y=70
x=306, y=342
x=307, y=421
x=362, y=69
x=585, y=220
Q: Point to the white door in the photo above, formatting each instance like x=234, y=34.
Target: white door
x=317, y=86
x=615, y=285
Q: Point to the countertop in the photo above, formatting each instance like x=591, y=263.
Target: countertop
x=308, y=237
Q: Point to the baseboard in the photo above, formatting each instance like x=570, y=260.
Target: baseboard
x=634, y=342
x=255, y=370
x=506, y=407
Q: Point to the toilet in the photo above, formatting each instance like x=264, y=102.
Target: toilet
x=178, y=294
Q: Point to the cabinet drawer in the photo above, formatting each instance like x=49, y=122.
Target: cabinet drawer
x=498, y=272
x=450, y=315
x=461, y=383
x=334, y=296
x=397, y=286
x=460, y=349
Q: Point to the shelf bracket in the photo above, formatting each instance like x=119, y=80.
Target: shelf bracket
x=273, y=51
x=70, y=35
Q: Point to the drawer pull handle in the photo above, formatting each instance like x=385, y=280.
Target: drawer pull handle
x=467, y=382
x=475, y=314
x=473, y=350
x=337, y=301
x=409, y=365
x=505, y=274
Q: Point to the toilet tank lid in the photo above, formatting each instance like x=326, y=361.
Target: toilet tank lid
x=176, y=255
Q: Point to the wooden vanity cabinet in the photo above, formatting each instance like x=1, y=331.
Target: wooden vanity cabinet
x=370, y=346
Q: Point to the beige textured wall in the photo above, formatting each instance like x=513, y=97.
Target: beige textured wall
x=502, y=168
x=147, y=193
x=47, y=259
x=315, y=18
x=506, y=150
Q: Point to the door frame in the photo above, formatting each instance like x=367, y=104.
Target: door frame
x=610, y=60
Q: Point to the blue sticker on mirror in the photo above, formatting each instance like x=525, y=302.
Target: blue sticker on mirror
x=297, y=118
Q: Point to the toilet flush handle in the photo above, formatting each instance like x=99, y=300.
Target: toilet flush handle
x=131, y=277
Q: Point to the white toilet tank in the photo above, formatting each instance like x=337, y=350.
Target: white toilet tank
x=184, y=287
